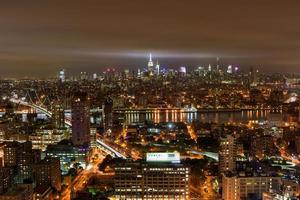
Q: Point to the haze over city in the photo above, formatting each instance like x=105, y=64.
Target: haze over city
x=39, y=37
x=149, y=100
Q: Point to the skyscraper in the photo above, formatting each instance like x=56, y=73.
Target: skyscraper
x=150, y=65
x=58, y=116
x=229, y=69
x=26, y=158
x=157, y=68
x=80, y=119
x=108, y=115
x=227, y=154
x=61, y=75
x=21, y=157
x=10, y=152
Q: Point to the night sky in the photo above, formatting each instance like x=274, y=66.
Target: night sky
x=38, y=38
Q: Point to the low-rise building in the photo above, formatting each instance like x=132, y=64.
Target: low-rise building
x=44, y=137
x=68, y=155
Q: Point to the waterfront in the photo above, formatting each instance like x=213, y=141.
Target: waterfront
x=157, y=116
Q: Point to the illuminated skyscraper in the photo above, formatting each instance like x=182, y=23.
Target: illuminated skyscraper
x=61, y=75
x=182, y=70
x=218, y=63
x=209, y=68
x=229, y=69
x=58, y=116
x=95, y=76
x=108, y=115
x=200, y=70
x=236, y=69
x=80, y=119
x=157, y=68
x=227, y=154
x=150, y=65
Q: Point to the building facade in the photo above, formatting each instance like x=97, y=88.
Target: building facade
x=80, y=119
x=47, y=173
x=160, y=179
x=242, y=187
x=227, y=154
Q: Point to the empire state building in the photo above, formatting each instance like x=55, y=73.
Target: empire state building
x=150, y=65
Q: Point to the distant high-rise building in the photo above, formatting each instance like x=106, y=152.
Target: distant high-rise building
x=150, y=66
x=81, y=119
x=83, y=76
x=182, y=70
x=47, y=173
x=108, y=113
x=61, y=75
x=227, y=154
x=229, y=69
x=95, y=76
x=162, y=176
x=58, y=116
x=253, y=75
x=236, y=69
x=150, y=63
x=200, y=71
x=209, y=68
x=126, y=73
x=218, y=63
x=157, y=68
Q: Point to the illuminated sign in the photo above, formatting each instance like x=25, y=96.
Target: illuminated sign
x=163, y=157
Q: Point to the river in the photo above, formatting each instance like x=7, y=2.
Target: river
x=181, y=116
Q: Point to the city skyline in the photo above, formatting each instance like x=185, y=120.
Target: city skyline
x=115, y=100
x=96, y=35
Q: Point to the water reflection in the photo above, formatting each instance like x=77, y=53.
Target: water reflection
x=181, y=116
